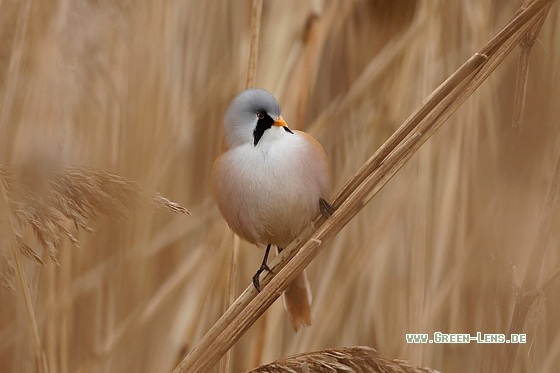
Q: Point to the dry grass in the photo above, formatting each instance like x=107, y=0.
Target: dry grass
x=350, y=359
x=139, y=89
x=40, y=195
x=37, y=196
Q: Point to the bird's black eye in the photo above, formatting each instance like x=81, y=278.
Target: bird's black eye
x=260, y=115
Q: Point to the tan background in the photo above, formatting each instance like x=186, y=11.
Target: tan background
x=140, y=87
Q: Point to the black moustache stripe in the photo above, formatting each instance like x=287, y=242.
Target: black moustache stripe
x=288, y=130
x=262, y=125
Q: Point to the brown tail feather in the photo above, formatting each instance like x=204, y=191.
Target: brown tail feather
x=297, y=301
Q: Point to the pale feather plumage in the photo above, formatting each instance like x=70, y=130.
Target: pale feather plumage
x=270, y=190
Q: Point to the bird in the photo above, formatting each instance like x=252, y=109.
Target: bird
x=269, y=183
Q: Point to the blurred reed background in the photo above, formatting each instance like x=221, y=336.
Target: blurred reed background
x=139, y=88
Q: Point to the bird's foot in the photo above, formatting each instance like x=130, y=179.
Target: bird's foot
x=326, y=208
x=256, y=282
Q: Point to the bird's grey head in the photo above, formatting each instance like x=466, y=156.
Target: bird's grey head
x=250, y=114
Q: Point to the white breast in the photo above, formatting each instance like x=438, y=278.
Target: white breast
x=269, y=192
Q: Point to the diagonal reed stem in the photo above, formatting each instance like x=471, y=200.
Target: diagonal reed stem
x=371, y=177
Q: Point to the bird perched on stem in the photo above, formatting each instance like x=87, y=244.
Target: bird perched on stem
x=269, y=184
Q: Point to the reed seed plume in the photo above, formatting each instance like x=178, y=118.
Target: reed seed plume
x=40, y=197
x=357, y=359
x=7, y=273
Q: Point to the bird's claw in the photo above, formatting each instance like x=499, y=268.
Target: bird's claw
x=326, y=208
x=256, y=282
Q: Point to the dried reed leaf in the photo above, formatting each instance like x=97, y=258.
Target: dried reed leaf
x=530, y=291
x=523, y=70
x=358, y=359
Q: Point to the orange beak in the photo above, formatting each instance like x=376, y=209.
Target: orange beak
x=280, y=122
